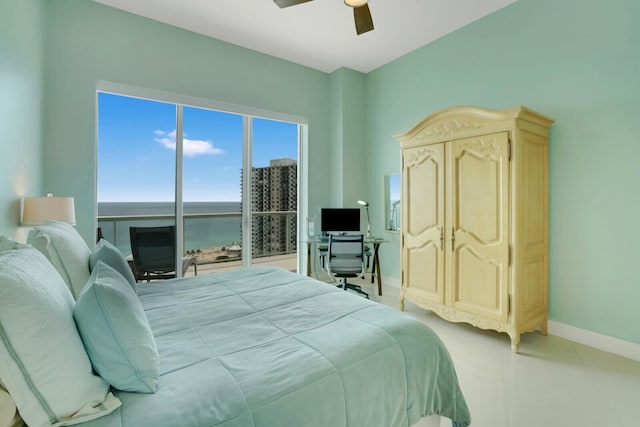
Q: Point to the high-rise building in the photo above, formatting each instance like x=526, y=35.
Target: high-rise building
x=274, y=192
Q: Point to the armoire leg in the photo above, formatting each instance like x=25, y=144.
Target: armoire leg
x=544, y=327
x=515, y=342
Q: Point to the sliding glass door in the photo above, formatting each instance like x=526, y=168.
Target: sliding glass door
x=227, y=181
x=136, y=176
x=211, y=191
x=274, y=191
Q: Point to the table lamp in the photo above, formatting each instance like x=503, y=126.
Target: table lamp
x=366, y=205
x=39, y=210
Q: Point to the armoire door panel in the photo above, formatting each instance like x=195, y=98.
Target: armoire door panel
x=423, y=221
x=479, y=174
x=479, y=222
x=424, y=272
x=424, y=179
x=479, y=284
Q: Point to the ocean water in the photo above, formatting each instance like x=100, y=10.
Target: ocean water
x=200, y=233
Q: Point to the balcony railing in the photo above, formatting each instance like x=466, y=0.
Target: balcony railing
x=206, y=238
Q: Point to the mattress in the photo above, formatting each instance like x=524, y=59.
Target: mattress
x=265, y=347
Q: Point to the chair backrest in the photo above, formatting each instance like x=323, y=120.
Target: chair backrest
x=153, y=250
x=346, y=255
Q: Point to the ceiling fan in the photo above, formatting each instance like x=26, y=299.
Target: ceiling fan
x=361, y=13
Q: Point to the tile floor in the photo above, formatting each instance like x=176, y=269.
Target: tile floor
x=551, y=382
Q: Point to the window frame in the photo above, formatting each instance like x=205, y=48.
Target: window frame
x=248, y=113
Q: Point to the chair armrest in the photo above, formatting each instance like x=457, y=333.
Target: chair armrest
x=187, y=262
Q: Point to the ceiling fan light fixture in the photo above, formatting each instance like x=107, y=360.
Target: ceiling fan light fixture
x=355, y=3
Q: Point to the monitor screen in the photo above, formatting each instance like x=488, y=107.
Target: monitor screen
x=338, y=220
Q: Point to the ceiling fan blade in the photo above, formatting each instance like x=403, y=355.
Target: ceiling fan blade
x=287, y=3
x=362, y=17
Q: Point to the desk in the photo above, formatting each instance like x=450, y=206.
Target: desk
x=318, y=242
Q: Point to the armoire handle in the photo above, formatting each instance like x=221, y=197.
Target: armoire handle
x=453, y=238
x=442, y=238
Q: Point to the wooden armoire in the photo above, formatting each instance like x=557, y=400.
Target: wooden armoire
x=475, y=218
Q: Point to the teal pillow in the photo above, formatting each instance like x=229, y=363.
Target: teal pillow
x=104, y=251
x=116, y=333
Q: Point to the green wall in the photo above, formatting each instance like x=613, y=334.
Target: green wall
x=580, y=65
x=347, y=168
x=21, y=69
x=87, y=42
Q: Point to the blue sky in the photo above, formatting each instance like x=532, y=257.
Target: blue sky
x=136, y=150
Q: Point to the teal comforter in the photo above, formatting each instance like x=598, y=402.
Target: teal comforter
x=265, y=347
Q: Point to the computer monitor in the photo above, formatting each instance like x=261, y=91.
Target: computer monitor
x=339, y=220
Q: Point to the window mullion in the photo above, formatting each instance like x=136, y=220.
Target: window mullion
x=247, y=135
x=178, y=198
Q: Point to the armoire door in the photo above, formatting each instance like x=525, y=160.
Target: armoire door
x=478, y=222
x=423, y=222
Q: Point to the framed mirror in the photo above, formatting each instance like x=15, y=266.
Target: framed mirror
x=392, y=202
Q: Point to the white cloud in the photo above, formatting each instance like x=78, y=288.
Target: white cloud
x=190, y=147
x=193, y=148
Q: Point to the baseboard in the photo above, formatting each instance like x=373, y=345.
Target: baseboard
x=613, y=345
x=593, y=339
x=394, y=282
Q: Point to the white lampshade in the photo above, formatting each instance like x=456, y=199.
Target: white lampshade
x=355, y=3
x=39, y=210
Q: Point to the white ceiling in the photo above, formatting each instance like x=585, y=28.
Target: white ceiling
x=319, y=34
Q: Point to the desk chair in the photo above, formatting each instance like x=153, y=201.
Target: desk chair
x=154, y=253
x=345, y=258
x=323, y=250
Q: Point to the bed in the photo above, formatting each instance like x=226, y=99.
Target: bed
x=265, y=347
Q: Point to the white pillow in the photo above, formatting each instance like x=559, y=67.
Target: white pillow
x=116, y=332
x=43, y=363
x=67, y=251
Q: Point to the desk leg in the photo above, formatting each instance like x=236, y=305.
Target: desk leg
x=308, y=258
x=376, y=267
x=373, y=264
